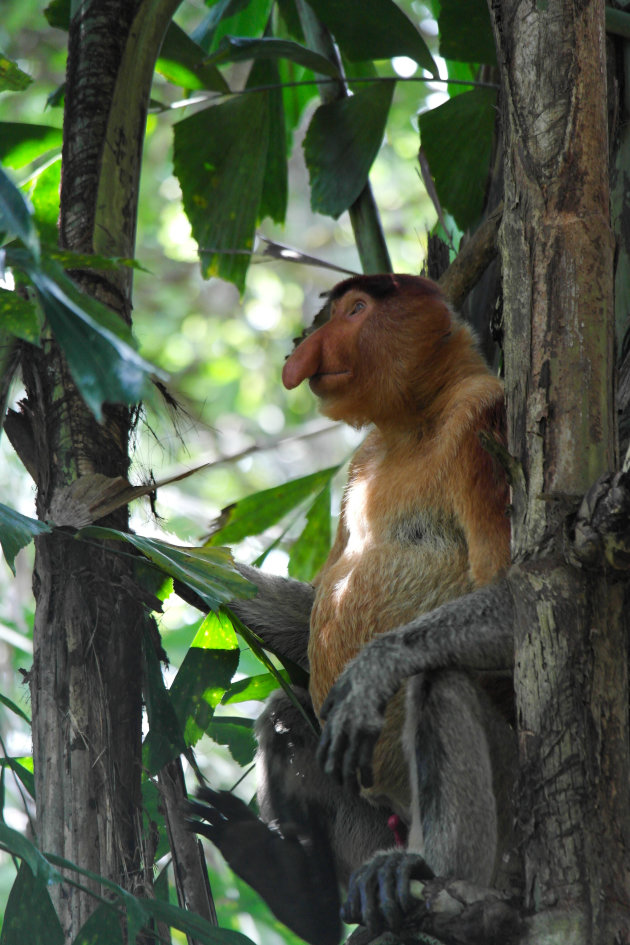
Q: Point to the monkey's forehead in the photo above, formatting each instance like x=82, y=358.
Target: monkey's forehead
x=383, y=285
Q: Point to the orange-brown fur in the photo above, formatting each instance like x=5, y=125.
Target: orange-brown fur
x=423, y=518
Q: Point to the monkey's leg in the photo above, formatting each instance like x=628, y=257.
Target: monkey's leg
x=461, y=754
x=318, y=832
x=288, y=770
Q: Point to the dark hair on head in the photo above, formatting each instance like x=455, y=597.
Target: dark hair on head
x=381, y=285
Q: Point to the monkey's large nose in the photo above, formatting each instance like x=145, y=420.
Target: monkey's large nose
x=303, y=363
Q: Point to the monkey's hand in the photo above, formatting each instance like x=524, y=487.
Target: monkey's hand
x=292, y=868
x=379, y=894
x=354, y=712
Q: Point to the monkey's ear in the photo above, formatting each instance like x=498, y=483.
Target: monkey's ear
x=292, y=870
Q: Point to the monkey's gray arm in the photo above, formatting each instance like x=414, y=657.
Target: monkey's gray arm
x=471, y=633
x=280, y=613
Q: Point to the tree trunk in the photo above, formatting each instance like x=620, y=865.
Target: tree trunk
x=571, y=637
x=87, y=667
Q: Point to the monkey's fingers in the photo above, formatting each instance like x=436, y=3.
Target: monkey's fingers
x=361, y=903
x=378, y=892
x=331, y=755
x=411, y=866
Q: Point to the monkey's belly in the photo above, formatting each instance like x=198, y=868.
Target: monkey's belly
x=363, y=595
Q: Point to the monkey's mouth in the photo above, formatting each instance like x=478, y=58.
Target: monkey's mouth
x=328, y=381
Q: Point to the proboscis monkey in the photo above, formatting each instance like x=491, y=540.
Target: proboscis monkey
x=416, y=757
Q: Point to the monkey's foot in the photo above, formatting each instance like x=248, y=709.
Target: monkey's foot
x=447, y=911
x=602, y=525
x=379, y=892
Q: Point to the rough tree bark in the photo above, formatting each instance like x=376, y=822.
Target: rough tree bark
x=87, y=667
x=570, y=634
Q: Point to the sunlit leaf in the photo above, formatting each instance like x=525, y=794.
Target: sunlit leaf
x=341, y=143
x=236, y=17
x=18, y=317
x=237, y=734
x=252, y=689
x=458, y=135
x=11, y=76
x=30, y=916
x=255, y=513
x=374, y=29
x=466, y=38
x=21, y=772
x=16, y=531
x=199, y=687
x=310, y=551
x=21, y=142
x=182, y=61
x=44, y=196
x=216, y=632
x=239, y=48
x=15, y=215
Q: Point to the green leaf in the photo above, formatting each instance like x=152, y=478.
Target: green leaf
x=15, y=215
x=153, y=820
x=237, y=733
x=457, y=141
x=199, y=686
x=220, y=158
x=216, y=633
x=21, y=142
x=58, y=14
x=102, y=928
x=30, y=916
x=255, y=513
x=44, y=196
x=192, y=924
x=71, y=260
x=14, y=843
x=165, y=739
x=21, y=772
x=18, y=317
x=14, y=708
x=310, y=551
x=374, y=29
x=252, y=689
x=239, y=17
x=16, y=531
x=185, y=63
x=273, y=199
x=208, y=571
x=469, y=37
x=241, y=48
x=11, y=76
x=341, y=143
x=104, y=367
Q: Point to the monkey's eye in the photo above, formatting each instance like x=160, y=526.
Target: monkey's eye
x=358, y=306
